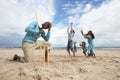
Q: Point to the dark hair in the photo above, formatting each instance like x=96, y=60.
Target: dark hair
x=73, y=31
x=84, y=43
x=47, y=23
x=92, y=35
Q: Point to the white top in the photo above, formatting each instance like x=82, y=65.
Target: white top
x=70, y=34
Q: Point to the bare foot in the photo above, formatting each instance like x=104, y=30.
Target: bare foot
x=94, y=56
x=73, y=55
x=69, y=53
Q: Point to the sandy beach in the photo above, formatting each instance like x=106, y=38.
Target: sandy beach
x=106, y=66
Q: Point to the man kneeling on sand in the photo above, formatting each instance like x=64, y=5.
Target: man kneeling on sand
x=29, y=44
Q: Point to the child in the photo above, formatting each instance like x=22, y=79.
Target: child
x=83, y=45
x=90, y=37
x=74, y=47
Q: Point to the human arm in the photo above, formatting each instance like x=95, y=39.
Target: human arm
x=81, y=44
x=82, y=32
x=33, y=27
x=85, y=35
x=69, y=28
x=71, y=25
x=46, y=37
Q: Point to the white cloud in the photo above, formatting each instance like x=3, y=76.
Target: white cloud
x=17, y=14
x=87, y=8
x=105, y=22
x=59, y=35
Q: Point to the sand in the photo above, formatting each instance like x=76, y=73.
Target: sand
x=106, y=66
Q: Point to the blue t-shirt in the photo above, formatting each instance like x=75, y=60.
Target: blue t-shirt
x=33, y=33
x=90, y=40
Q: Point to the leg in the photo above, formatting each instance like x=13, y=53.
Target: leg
x=69, y=52
x=84, y=53
x=71, y=47
x=73, y=53
x=37, y=45
x=89, y=48
x=68, y=48
x=28, y=49
x=93, y=53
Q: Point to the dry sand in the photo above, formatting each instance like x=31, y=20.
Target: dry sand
x=106, y=66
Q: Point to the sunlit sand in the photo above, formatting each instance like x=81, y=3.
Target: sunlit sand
x=106, y=66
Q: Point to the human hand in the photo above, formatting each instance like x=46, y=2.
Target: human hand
x=47, y=25
x=41, y=31
x=71, y=23
x=81, y=31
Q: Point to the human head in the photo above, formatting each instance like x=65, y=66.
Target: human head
x=46, y=25
x=72, y=31
x=91, y=33
x=71, y=23
x=74, y=43
x=84, y=43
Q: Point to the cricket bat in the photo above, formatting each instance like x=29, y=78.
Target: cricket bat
x=38, y=18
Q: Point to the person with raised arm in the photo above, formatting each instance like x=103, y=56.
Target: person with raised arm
x=70, y=33
x=90, y=38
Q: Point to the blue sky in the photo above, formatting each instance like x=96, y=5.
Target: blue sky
x=100, y=16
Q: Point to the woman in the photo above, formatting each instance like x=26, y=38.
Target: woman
x=90, y=37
